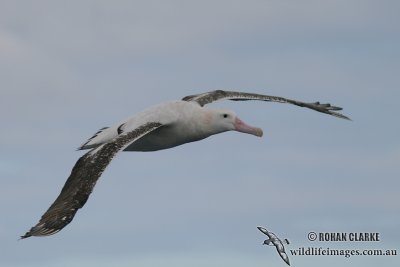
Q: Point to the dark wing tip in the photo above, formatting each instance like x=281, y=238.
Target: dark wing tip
x=51, y=224
x=26, y=235
x=326, y=108
x=40, y=230
x=262, y=229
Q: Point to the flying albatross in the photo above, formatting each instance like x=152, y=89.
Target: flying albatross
x=159, y=127
x=273, y=240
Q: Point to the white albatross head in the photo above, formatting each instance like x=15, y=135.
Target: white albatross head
x=222, y=120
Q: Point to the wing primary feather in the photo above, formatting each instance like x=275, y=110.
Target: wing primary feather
x=82, y=180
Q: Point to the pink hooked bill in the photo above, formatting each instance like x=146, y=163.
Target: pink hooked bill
x=240, y=126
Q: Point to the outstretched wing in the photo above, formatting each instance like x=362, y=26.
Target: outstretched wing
x=212, y=96
x=82, y=180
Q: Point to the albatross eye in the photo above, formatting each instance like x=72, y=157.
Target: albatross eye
x=225, y=115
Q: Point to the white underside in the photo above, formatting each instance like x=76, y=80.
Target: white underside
x=182, y=121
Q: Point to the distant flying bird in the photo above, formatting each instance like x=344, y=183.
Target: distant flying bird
x=273, y=240
x=159, y=127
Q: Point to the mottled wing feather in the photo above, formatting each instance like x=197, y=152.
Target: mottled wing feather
x=82, y=180
x=206, y=98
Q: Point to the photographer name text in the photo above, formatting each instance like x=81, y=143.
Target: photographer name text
x=363, y=237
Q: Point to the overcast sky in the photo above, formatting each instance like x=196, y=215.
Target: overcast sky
x=68, y=68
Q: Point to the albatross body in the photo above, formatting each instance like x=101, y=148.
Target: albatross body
x=182, y=121
x=159, y=127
